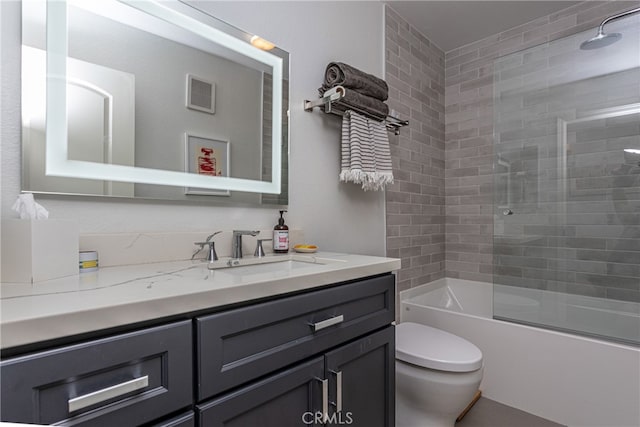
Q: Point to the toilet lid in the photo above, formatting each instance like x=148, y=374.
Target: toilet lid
x=435, y=349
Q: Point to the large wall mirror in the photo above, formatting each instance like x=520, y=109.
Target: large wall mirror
x=151, y=99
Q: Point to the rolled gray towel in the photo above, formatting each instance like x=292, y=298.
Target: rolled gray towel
x=341, y=74
x=375, y=108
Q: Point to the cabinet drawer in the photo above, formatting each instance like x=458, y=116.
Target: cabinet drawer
x=239, y=345
x=122, y=380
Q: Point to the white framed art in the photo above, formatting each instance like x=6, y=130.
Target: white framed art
x=209, y=157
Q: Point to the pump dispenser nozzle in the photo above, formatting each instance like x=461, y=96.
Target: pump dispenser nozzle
x=281, y=220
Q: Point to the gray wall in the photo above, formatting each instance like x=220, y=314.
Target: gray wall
x=469, y=131
x=338, y=216
x=415, y=209
x=335, y=216
x=415, y=202
x=574, y=191
x=267, y=129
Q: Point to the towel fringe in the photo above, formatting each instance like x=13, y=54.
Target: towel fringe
x=374, y=181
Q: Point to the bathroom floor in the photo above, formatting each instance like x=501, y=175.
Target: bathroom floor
x=489, y=413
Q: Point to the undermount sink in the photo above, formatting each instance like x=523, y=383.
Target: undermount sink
x=269, y=264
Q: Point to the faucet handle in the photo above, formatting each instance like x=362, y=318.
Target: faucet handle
x=211, y=255
x=210, y=236
x=259, y=251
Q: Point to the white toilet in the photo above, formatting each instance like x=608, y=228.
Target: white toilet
x=437, y=375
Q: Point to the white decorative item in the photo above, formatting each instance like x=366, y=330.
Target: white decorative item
x=28, y=208
x=38, y=250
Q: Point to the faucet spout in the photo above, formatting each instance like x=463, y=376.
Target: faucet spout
x=236, y=241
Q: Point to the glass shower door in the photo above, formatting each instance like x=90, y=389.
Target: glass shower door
x=567, y=187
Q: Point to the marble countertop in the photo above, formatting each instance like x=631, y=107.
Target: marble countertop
x=117, y=296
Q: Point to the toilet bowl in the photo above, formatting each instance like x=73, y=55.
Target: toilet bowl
x=437, y=375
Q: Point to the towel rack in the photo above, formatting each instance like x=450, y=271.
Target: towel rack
x=331, y=103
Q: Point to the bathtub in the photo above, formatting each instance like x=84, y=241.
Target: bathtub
x=569, y=379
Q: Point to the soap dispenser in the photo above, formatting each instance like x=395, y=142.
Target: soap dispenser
x=281, y=236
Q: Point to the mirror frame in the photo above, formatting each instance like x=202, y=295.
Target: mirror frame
x=57, y=161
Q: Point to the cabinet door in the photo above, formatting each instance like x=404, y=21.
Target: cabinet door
x=362, y=381
x=289, y=398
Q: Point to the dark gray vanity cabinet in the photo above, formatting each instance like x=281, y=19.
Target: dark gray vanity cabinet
x=128, y=379
x=351, y=385
x=323, y=356
x=329, y=351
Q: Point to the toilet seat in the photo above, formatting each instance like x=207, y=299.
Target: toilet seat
x=435, y=349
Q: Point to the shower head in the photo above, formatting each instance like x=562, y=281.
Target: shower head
x=602, y=39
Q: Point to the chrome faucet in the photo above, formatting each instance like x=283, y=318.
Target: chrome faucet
x=236, y=242
x=211, y=255
x=259, y=252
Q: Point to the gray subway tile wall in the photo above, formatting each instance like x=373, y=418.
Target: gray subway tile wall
x=587, y=248
x=469, y=72
x=415, y=202
x=555, y=151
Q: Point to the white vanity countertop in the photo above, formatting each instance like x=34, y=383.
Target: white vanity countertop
x=116, y=296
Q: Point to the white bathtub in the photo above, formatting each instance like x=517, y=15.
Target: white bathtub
x=568, y=379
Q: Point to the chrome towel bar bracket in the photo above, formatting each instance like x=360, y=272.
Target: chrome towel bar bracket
x=331, y=104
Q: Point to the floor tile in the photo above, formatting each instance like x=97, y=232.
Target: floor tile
x=489, y=413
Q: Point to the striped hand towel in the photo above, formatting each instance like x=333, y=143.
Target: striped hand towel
x=366, y=158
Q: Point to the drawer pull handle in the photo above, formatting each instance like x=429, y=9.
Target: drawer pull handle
x=105, y=394
x=338, y=403
x=326, y=323
x=325, y=399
